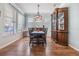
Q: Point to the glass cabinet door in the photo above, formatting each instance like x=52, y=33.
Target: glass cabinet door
x=54, y=22
x=61, y=21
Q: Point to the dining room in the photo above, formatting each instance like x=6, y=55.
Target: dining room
x=38, y=29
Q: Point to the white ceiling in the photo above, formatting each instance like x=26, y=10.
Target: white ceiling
x=31, y=8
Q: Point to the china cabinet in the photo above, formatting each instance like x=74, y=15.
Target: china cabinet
x=60, y=24
x=63, y=26
x=54, y=25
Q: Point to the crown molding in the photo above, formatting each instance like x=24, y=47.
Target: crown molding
x=17, y=8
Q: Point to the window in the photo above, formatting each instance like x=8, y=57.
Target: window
x=20, y=19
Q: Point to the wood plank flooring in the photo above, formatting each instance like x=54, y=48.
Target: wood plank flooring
x=21, y=48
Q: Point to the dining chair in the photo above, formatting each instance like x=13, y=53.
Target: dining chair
x=42, y=38
x=33, y=38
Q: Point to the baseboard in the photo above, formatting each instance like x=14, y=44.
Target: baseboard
x=9, y=43
x=74, y=47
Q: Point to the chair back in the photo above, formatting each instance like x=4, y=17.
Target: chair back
x=45, y=30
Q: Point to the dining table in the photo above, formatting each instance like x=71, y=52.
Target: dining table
x=37, y=35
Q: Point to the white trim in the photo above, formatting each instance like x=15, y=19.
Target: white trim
x=74, y=47
x=9, y=43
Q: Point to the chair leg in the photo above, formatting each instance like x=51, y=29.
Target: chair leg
x=45, y=40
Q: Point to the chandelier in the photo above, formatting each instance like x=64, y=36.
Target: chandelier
x=38, y=16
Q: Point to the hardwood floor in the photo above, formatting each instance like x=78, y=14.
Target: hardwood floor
x=21, y=48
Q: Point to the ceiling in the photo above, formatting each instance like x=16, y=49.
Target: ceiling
x=31, y=8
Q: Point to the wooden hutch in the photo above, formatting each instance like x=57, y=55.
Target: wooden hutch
x=59, y=21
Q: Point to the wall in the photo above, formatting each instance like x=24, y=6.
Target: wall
x=46, y=22
x=7, y=38
x=73, y=24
